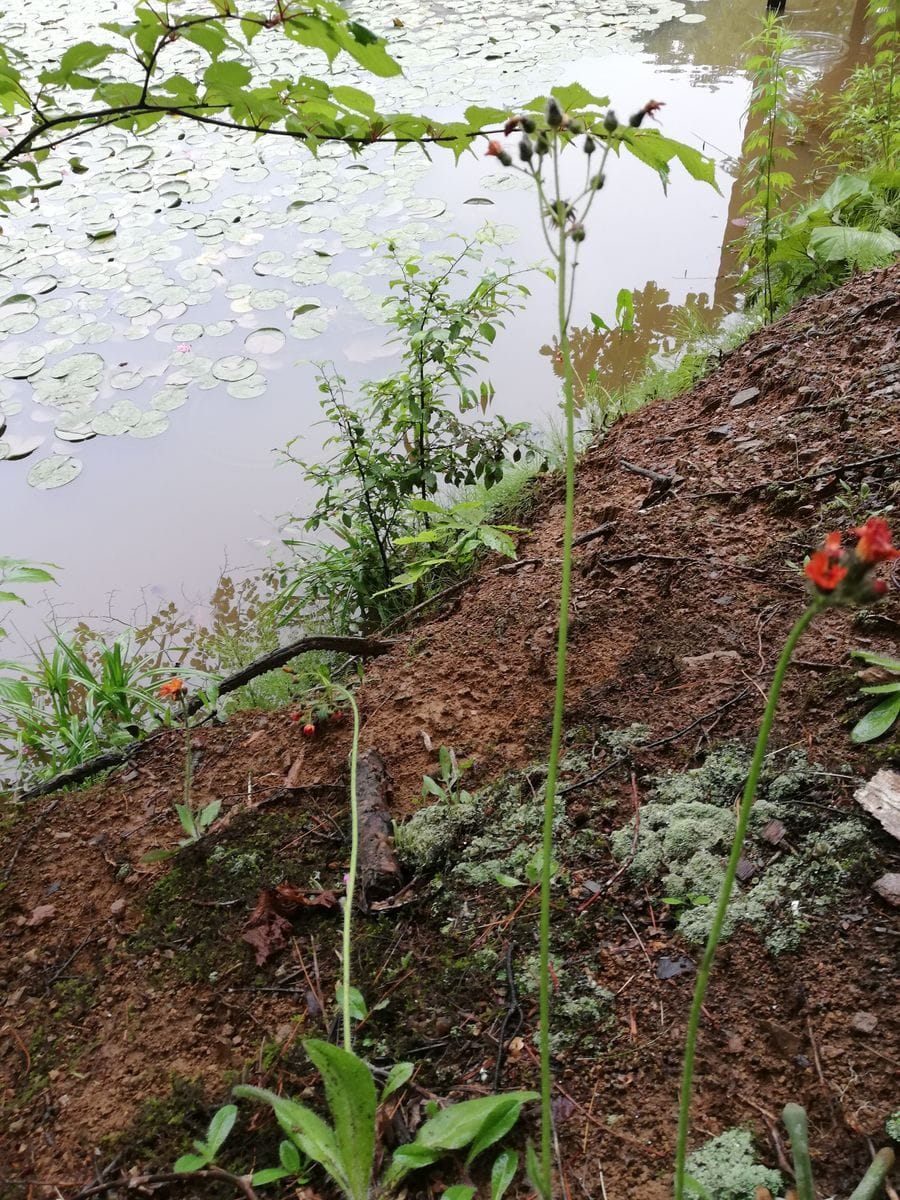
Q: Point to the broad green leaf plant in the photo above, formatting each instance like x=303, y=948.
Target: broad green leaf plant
x=345, y=1149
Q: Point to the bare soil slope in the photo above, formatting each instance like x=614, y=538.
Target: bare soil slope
x=132, y=1002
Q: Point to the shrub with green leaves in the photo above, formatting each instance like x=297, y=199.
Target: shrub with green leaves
x=382, y=497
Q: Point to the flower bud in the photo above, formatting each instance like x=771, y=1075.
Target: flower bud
x=577, y=233
x=554, y=113
x=542, y=144
x=526, y=149
x=589, y=145
x=610, y=122
x=575, y=126
x=528, y=124
x=598, y=181
x=505, y=159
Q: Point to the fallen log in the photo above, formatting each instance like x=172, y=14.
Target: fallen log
x=380, y=873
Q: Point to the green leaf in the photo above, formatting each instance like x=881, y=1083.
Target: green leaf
x=358, y=1010
x=877, y=660
x=574, y=96
x=599, y=323
x=459, y=1124
x=10, y=598
x=289, y=1157
x=499, y=1122
x=398, y=1075
x=220, y=1126
x=410, y=1158
x=842, y=243
x=534, y=1172
x=208, y=814
x=477, y=116
x=190, y=1162
x=459, y=1191
x=305, y=1128
x=877, y=721
x=228, y=74
x=268, y=1175
x=352, y=1099
x=495, y=539
x=20, y=573
x=503, y=1172
x=509, y=881
x=84, y=55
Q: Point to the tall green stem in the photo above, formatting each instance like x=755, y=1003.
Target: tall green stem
x=762, y=741
x=558, y=711
x=346, y=943
x=193, y=832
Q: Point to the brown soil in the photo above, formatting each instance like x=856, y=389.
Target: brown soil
x=132, y=1003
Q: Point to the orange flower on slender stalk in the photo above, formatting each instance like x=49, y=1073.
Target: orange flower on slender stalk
x=825, y=567
x=874, y=544
x=825, y=572
x=174, y=687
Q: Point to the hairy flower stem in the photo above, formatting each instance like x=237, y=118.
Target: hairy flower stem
x=737, y=846
x=193, y=832
x=346, y=943
x=546, y=1180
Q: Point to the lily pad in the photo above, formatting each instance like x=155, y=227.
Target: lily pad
x=264, y=341
x=54, y=472
x=247, y=389
x=234, y=367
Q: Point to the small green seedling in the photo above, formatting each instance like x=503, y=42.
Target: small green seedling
x=219, y=1128
x=446, y=787
x=878, y=720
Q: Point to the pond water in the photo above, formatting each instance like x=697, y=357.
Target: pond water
x=160, y=315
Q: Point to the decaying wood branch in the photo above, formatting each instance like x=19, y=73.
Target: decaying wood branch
x=379, y=868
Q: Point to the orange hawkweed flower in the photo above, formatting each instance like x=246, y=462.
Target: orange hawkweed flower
x=825, y=571
x=825, y=568
x=874, y=544
x=494, y=149
x=173, y=687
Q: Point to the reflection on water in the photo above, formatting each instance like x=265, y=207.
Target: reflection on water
x=613, y=359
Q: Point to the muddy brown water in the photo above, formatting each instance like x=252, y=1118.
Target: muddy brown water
x=159, y=518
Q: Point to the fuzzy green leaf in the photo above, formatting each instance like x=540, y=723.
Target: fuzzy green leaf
x=876, y=722
x=352, y=1099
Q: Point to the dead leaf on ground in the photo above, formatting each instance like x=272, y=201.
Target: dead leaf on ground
x=288, y=899
x=266, y=930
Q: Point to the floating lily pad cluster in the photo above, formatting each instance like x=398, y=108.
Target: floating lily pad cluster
x=195, y=259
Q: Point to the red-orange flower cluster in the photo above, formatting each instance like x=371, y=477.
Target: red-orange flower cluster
x=874, y=544
x=173, y=687
x=825, y=568
x=834, y=569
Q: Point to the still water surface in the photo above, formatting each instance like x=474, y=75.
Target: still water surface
x=189, y=315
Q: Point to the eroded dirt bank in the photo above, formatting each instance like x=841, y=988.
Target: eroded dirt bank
x=132, y=1002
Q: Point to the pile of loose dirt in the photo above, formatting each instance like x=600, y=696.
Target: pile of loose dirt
x=132, y=1002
